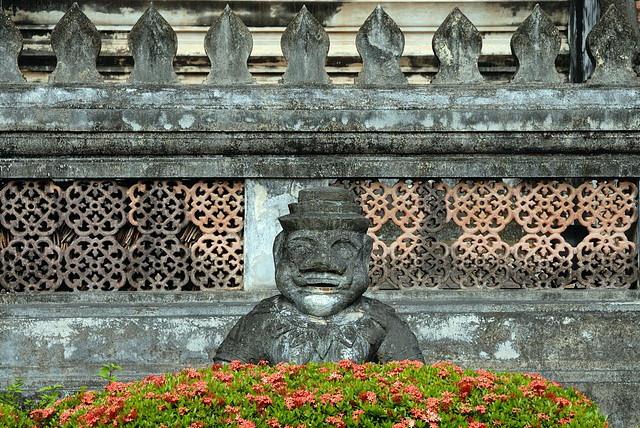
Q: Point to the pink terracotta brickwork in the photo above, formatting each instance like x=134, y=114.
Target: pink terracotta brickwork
x=107, y=235
x=495, y=234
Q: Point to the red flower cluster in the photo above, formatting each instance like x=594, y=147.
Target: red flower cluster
x=401, y=394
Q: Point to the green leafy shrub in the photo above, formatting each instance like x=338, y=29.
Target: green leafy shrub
x=399, y=395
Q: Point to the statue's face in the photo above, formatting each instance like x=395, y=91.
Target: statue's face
x=322, y=271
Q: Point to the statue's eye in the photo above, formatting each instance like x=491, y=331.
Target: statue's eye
x=345, y=249
x=299, y=249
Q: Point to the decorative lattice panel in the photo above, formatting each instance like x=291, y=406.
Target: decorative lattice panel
x=107, y=235
x=499, y=234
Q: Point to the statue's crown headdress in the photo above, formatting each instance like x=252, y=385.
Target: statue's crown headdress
x=325, y=208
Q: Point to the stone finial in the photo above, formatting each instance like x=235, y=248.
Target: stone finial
x=627, y=8
x=10, y=47
x=457, y=44
x=76, y=43
x=228, y=44
x=612, y=46
x=305, y=45
x=380, y=43
x=536, y=44
x=153, y=44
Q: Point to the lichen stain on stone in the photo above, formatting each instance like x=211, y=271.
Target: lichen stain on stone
x=506, y=352
x=59, y=333
x=587, y=335
x=446, y=56
x=194, y=335
x=457, y=328
x=427, y=121
x=186, y=121
x=260, y=196
x=198, y=343
x=383, y=120
x=134, y=125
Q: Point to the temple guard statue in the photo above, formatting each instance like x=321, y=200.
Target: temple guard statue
x=321, y=263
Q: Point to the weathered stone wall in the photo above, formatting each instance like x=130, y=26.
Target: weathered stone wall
x=276, y=139
x=577, y=338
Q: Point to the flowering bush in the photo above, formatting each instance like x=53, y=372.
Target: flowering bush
x=395, y=395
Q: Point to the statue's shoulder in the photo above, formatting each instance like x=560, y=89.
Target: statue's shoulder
x=375, y=306
x=380, y=312
x=270, y=305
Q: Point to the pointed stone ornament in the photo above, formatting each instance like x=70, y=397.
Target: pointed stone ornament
x=10, y=47
x=380, y=43
x=76, y=43
x=457, y=43
x=536, y=44
x=612, y=46
x=153, y=44
x=305, y=45
x=228, y=44
x=627, y=8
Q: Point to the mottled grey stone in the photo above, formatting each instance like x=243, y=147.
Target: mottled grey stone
x=544, y=166
x=10, y=47
x=305, y=45
x=629, y=10
x=457, y=43
x=380, y=43
x=626, y=7
x=322, y=259
x=536, y=44
x=153, y=44
x=76, y=43
x=306, y=132
x=613, y=46
x=228, y=44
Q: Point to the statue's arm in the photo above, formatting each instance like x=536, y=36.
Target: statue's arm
x=399, y=343
x=245, y=342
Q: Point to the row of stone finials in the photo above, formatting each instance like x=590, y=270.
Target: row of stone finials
x=164, y=235
x=612, y=44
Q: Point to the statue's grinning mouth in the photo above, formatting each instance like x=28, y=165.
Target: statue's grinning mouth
x=322, y=285
x=321, y=281
x=321, y=288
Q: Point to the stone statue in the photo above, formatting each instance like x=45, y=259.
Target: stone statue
x=321, y=262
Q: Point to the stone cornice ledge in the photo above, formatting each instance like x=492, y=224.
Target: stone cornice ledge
x=423, y=300
x=136, y=131
x=433, y=108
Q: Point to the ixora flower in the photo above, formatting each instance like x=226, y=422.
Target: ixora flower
x=398, y=394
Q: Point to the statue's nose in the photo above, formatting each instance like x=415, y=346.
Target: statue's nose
x=324, y=261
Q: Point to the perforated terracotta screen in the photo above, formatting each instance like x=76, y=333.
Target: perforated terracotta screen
x=494, y=234
x=108, y=235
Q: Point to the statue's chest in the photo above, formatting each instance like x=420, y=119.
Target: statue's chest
x=301, y=344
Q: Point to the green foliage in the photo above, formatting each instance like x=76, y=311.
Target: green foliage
x=12, y=393
x=395, y=395
x=107, y=372
x=49, y=395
